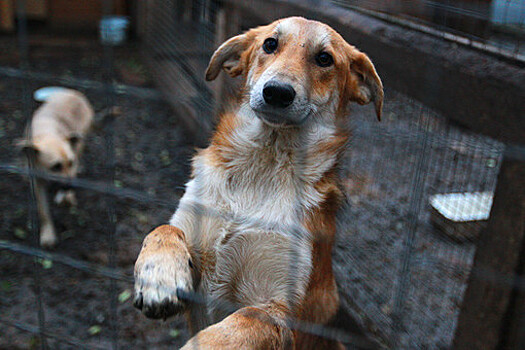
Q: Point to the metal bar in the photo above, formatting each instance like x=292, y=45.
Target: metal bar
x=485, y=304
x=97, y=186
x=22, y=37
x=112, y=273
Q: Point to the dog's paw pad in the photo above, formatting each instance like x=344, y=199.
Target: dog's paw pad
x=163, y=309
x=158, y=292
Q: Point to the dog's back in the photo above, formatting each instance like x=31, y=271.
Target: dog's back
x=64, y=113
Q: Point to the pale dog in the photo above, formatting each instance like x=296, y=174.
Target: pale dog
x=255, y=227
x=56, y=140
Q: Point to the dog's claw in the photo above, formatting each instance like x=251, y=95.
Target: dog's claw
x=167, y=307
x=157, y=300
x=138, y=302
x=162, y=310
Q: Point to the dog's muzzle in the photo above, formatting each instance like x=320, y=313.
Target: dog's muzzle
x=278, y=106
x=278, y=95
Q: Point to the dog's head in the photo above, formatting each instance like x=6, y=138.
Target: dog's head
x=53, y=154
x=295, y=69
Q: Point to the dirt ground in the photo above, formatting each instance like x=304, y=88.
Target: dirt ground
x=152, y=155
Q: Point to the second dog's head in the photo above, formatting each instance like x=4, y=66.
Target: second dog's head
x=53, y=154
x=295, y=69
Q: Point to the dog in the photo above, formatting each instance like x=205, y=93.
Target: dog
x=248, y=251
x=55, y=142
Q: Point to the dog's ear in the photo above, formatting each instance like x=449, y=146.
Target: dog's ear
x=74, y=140
x=364, y=85
x=27, y=147
x=228, y=57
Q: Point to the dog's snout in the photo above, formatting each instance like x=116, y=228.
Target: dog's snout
x=278, y=95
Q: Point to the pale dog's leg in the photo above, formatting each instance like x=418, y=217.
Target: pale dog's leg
x=48, y=236
x=66, y=197
x=163, y=272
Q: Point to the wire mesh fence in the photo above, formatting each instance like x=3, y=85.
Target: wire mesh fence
x=402, y=268
x=419, y=270
x=492, y=26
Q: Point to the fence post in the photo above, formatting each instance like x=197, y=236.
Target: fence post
x=7, y=15
x=487, y=317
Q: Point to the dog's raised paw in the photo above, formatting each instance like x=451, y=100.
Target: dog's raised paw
x=162, y=283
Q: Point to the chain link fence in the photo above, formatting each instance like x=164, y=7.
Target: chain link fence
x=402, y=261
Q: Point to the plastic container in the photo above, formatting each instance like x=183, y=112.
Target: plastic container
x=42, y=94
x=113, y=29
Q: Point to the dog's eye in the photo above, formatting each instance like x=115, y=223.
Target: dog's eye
x=56, y=167
x=190, y=263
x=270, y=45
x=324, y=59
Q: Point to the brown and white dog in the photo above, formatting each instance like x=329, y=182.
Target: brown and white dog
x=56, y=140
x=255, y=228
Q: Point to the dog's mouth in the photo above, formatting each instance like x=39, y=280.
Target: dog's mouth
x=55, y=186
x=281, y=120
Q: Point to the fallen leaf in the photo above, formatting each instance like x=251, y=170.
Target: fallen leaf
x=94, y=330
x=125, y=295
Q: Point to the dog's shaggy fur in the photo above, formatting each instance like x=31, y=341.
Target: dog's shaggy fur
x=255, y=228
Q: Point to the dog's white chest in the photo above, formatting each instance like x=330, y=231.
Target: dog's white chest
x=245, y=218
x=254, y=212
x=258, y=196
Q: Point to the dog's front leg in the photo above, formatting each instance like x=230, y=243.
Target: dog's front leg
x=164, y=272
x=48, y=236
x=248, y=328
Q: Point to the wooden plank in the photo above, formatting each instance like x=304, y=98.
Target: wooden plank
x=76, y=13
x=7, y=15
x=498, y=257
x=471, y=88
x=80, y=13
x=120, y=7
x=515, y=328
x=36, y=9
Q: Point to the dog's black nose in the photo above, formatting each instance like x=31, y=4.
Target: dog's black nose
x=278, y=95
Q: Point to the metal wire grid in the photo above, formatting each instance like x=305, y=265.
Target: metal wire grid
x=179, y=45
x=421, y=135
x=496, y=27
x=406, y=278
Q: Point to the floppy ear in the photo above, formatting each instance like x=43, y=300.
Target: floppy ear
x=74, y=139
x=365, y=84
x=27, y=147
x=228, y=57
